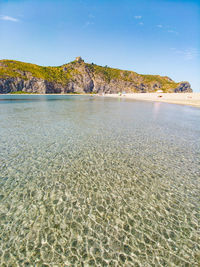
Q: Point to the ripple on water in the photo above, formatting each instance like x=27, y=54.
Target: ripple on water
x=94, y=182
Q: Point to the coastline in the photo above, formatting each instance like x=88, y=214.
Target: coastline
x=49, y=94
x=190, y=99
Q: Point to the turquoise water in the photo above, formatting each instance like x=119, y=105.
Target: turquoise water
x=92, y=181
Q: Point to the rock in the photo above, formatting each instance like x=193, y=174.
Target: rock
x=80, y=77
x=184, y=87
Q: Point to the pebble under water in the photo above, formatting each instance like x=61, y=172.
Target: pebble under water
x=91, y=181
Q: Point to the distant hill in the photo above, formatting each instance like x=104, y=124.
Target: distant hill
x=80, y=77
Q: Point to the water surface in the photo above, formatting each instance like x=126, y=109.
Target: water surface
x=91, y=181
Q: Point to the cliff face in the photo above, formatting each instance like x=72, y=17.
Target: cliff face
x=80, y=77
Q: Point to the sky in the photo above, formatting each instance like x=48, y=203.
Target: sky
x=147, y=36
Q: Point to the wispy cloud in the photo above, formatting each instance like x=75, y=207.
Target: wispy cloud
x=88, y=23
x=167, y=29
x=141, y=23
x=2, y=17
x=172, y=31
x=91, y=16
x=137, y=17
x=187, y=54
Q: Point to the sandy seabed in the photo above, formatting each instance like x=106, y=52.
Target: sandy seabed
x=98, y=182
x=192, y=99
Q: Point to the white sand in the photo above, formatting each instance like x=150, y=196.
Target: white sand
x=192, y=99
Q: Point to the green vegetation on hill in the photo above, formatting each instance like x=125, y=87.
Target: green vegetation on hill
x=21, y=93
x=111, y=73
x=165, y=83
x=63, y=74
x=16, y=69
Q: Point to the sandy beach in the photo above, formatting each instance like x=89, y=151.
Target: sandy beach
x=192, y=99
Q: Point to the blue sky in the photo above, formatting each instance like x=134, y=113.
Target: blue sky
x=146, y=36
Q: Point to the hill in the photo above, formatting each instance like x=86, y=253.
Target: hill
x=80, y=77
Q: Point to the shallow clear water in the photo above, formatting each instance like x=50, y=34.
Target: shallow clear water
x=91, y=181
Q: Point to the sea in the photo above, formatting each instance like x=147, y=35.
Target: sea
x=96, y=181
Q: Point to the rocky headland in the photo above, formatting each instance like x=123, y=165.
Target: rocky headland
x=80, y=77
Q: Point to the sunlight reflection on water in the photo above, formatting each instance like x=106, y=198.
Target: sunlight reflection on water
x=98, y=181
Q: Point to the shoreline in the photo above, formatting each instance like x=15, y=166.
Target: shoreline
x=189, y=99
x=47, y=94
